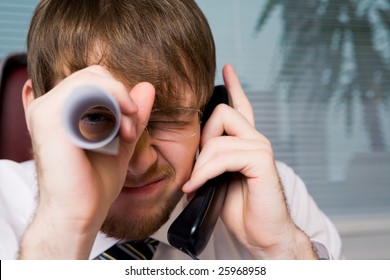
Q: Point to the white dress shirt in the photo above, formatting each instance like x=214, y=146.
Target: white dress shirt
x=18, y=190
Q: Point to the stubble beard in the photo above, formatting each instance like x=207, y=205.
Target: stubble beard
x=128, y=226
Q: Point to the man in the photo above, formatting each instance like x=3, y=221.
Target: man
x=157, y=59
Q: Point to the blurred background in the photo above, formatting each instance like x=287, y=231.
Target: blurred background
x=318, y=75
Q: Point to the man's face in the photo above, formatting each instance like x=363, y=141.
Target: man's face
x=157, y=171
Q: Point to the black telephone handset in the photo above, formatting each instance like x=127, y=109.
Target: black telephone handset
x=192, y=229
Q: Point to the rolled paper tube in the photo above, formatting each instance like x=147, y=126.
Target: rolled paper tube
x=81, y=100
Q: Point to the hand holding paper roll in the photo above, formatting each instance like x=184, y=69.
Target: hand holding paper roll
x=76, y=185
x=91, y=117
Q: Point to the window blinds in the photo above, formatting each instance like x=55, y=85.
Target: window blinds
x=14, y=20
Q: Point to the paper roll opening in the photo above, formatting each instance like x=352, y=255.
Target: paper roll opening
x=91, y=117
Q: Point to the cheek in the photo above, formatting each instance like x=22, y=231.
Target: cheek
x=182, y=158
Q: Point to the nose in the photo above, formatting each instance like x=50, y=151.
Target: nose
x=145, y=155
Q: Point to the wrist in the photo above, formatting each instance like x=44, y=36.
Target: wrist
x=296, y=245
x=50, y=237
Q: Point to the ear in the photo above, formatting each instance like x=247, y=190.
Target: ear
x=27, y=96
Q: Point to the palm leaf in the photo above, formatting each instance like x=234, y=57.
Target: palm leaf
x=269, y=7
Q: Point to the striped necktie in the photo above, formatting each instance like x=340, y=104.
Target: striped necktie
x=131, y=250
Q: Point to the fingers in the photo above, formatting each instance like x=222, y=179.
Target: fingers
x=101, y=77
x=135, y=104
x=237, y=95
x=143, y=96
x=227, y=120
x=242, y=149
x=249, y=157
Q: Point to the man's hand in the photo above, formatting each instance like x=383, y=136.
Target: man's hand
x=255, y=208
x=77, y=187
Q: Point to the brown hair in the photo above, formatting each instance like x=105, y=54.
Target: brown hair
x=166, y=42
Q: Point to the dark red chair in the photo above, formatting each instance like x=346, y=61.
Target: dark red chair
x=15, y=143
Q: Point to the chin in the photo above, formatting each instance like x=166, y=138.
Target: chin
x=135, y=223
x=134, y=228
